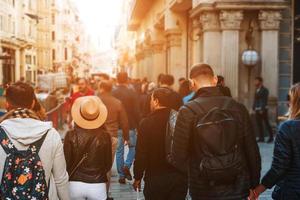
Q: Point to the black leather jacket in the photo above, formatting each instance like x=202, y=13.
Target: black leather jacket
x=97, y=143
x=186, y=158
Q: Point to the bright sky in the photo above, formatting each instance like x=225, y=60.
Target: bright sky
x=100, y=18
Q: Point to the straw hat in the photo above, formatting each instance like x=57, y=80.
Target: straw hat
x=89, y=112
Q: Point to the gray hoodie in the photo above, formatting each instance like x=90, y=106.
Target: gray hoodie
x=24, y=132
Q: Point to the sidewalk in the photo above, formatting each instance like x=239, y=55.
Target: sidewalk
x=125, y=192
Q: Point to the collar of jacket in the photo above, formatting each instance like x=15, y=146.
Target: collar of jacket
x=161, y=110
x=208, y=92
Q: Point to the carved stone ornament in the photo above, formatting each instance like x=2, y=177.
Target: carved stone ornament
x=173, y=38
x=157, y=47
x=269, y=20
x=231, y=20
x=210, y=21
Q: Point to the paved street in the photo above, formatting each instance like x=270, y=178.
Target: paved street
x=125, y=192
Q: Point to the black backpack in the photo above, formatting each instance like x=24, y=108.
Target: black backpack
x=217, y=143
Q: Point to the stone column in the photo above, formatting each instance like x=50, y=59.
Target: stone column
x=17, y=65
x=269, y=24
x=230, y=24
x=175, y=65
x=197, y=42
x=1, y=65
x=139, y=65
x=211, y=39
x=148, y=62
x=158, y=60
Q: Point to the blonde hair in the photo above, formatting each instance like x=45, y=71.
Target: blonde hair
x=295, y=101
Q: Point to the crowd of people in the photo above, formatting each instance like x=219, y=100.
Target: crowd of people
x=195, y=140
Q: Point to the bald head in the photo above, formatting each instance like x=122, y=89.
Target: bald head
x=202, y=75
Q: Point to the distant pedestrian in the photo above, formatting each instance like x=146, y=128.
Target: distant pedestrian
x=185, y=91
x=32, y=162
x=215, y=143
x=116, y=118
x=260, y=106
x=285, y=171
x=88, y=150
x=83, y=90
x=224, y=89
x=167, y=81
x=181, y=80
x=129, y=98
x=162, y=180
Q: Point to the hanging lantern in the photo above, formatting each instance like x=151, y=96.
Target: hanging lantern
x=250, y=58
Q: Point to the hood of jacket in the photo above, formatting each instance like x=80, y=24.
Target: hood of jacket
x=25, y=130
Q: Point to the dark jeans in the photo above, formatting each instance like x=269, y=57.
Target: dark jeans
x=170, y=186
x=261, y=119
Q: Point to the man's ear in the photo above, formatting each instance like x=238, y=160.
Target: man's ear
x=215, y=81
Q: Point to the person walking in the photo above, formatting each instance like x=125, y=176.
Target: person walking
x=129, y=98
x=224, y=89
x=285, y=171
x=32, y=162
x=215, y=143
x=116, y=118
x=88, y=150
x=167, y=81
x=260, y=106
x=162, y=180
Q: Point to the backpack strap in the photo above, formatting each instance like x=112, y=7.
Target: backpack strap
x=6, y=143
x=38, y=144
x=226, y=104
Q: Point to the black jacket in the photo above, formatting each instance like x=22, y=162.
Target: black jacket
x=130, y=101
x=150, y=151
x=184, y=149
x=97, y=143
x=285, y=170
x=175, y=100
x=261, y=99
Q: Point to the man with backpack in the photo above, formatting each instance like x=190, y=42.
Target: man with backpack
x=32, y=162
x=215, y=143
x=162, y=180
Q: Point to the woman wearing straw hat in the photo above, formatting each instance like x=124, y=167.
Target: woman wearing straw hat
x=88, y=150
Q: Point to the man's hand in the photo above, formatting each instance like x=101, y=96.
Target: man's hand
x=137, y=185
x=127, y=142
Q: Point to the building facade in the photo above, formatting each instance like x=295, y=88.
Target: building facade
x=173, y=35
x=40, y=36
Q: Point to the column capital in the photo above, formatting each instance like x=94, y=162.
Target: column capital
x=269, y=19
x=173, y=37
x=157, y=47
x=231, y=19
x=210, y=21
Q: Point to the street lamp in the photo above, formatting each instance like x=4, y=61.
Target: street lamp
x=250, y=57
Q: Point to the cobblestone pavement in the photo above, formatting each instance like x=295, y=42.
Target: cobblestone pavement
x=125, y=192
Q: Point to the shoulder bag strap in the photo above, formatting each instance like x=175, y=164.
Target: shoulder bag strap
x=6, y=143
x=84, y=156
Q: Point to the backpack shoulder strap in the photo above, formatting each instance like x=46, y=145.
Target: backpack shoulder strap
x=5, y=142
x=226, y=104
x=38, y=144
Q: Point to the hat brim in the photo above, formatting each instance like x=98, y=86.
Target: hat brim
x=89, y=124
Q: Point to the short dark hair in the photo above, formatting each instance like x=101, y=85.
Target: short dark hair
x=104, y=76
x=260, y=79
x=106, y=86
x=181, y=79
x=220, y=79
x=167, y=79
x=84, y=79
x=122, y=77
x=162, y=95
x=201, y=70
x=20, y=95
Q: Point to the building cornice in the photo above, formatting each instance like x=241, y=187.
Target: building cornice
x=239, y=5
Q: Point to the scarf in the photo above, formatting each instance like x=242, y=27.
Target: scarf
x=20, y=113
